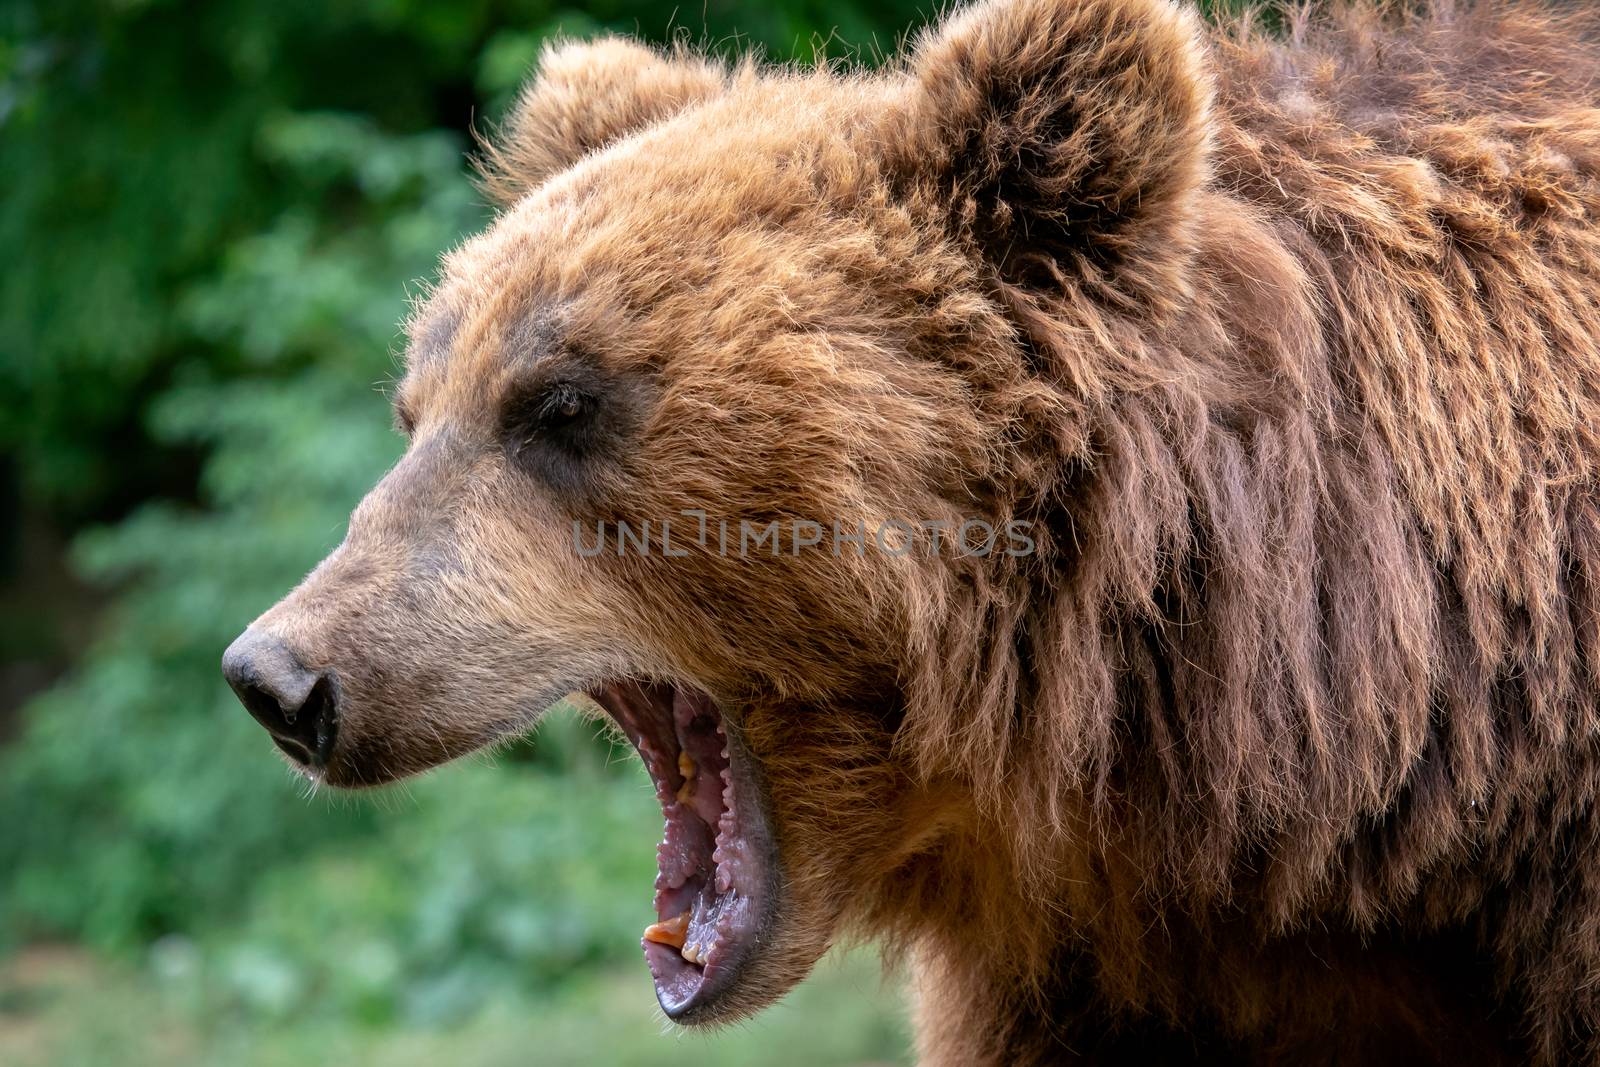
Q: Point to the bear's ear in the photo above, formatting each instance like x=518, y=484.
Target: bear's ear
x=586, y=95
x=1068, y=138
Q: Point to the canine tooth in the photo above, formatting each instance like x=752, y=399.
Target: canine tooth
x=668, y=931
x=690, y=953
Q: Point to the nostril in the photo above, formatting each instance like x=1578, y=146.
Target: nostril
x=297, y=706
x=262, y=705
x=321, y=712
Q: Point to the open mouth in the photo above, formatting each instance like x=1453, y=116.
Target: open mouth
x=715, y=887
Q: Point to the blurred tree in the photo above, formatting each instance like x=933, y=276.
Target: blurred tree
x=134, y=152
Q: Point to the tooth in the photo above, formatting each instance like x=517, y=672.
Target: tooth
x=691, y=953
x=686, y=768
x=668, y=931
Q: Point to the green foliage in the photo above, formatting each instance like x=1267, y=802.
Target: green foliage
x=151, y=783
x=144, y=141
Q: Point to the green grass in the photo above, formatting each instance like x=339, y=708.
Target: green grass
x=66, y=1008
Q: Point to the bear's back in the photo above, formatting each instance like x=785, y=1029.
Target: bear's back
x=1440, y=182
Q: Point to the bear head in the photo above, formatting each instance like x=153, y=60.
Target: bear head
x=743, y=419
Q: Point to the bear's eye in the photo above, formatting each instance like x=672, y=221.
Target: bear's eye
x=568, y=425
x=547, y=413
x=551, y=426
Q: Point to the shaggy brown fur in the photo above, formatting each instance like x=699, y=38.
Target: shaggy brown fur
x=1283, y=746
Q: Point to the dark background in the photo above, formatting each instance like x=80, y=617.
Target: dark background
x=211, y=216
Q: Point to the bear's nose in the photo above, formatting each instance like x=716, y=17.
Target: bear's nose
x=296, y=705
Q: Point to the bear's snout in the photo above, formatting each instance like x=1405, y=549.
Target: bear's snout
x=297, y=706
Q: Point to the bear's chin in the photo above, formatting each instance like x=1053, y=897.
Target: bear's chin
x=716, y=867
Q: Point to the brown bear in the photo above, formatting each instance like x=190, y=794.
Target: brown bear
x=1105, y=505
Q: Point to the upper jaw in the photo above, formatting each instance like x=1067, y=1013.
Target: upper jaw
x=718, y=875
x=364, y=759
